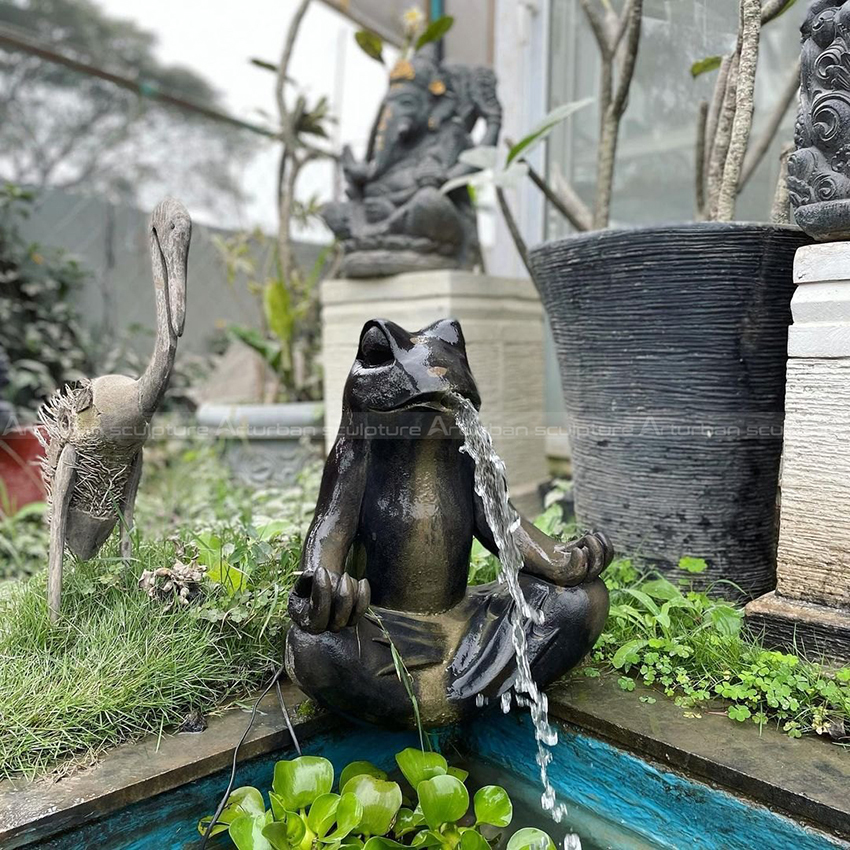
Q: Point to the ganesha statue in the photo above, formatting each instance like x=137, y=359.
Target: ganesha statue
x=396, y=218
x=819, y=169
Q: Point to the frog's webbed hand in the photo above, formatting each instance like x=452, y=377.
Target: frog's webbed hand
x=325, y=597
x=564, y=564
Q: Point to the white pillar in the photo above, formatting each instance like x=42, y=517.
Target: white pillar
x=812, y=599
x=502, y=321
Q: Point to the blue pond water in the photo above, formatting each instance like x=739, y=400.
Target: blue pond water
x=615, y=800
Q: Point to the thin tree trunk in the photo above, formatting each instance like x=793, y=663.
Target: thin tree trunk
x=513, y=228
x=780, y=212
x=744, y=104
x=721, y=138
x=699, y=159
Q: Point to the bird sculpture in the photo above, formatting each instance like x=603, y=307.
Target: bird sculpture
x=94, y=432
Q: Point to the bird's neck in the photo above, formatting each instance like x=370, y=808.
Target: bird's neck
x=154, y=381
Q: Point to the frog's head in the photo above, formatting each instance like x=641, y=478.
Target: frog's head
x=396, y=370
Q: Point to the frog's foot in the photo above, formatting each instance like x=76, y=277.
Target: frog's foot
x=485, y=663
x=355, y=672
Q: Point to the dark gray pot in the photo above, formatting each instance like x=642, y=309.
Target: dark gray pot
x=672, y=348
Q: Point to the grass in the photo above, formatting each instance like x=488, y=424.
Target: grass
x=119, y=665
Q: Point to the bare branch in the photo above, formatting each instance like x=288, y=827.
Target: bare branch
x=510, y=221
x=287, y=129
x=565, y=200
x=780, y=212
x=720, y=145
x=757, y=152
x=622, y=24
x=714, y=109
x=699, y=159
x=744, y=104
x=610, y=130
x=771, y=9
x=600, y=30
x=630, y=48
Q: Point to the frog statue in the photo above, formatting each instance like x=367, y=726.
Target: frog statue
x=396, y=219
x=386, y=558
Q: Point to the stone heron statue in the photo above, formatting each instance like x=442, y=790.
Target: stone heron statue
x=94, y=433
x=395, y=218
x=385, y=562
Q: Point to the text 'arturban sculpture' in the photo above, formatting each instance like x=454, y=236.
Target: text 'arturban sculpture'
x=396, y=219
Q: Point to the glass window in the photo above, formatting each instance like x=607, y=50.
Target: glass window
x=654, y=180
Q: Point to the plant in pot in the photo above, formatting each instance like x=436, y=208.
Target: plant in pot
x=277, y=437
x=671, y=340
x=45, y=345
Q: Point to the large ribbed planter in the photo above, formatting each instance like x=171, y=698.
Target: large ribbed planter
x=672, y=348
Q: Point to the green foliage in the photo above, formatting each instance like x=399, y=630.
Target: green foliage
x=42, y=334
x=118, y=666
x=435, y=31
x=546, y=125
x=371, y=44
x=23, y=540
x=691, y=646
x=366, y=810
x=290, y=334
x=702, y=66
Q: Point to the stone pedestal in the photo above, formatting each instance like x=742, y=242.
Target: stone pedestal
x=811, y=604
x=502, y=321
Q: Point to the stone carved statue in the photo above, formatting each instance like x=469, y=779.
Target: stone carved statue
x=396, y=219
x=94, y=433
x=394, y=524
x=819, y=169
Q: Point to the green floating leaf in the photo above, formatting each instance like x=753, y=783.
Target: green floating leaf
x=246, y=832
x=322, y=814
x=702, y=66
x=406, y=821
x=493, y=805
x=381, y=842
x=417, y=765
x=427, y=838
x=278, y=806
x=380, y=799
x=458, y=773
x=539, y=133
x=242, y=801
x=472, y=839
x=349, y=813
x=530, y=838
x=371, y=44
x=358, y=768
x=277, y=834
x=444, y=799
x=298, y=782
x=435, y=31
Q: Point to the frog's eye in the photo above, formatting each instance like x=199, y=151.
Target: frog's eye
x=375, y=348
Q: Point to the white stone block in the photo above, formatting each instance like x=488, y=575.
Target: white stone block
x=502, y=321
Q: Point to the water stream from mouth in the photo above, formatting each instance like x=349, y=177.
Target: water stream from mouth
x=492, y=486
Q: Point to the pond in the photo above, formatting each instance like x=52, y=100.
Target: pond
x=616, y=801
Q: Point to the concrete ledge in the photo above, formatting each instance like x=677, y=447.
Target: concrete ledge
x=816, y=629
x=806, y=778
x=33, y=811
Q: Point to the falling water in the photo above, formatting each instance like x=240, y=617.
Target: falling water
x=492, y=486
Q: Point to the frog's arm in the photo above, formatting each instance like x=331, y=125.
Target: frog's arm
x=325, y=597
x=564, y=564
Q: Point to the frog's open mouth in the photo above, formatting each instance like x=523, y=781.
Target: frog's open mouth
x=438, y=402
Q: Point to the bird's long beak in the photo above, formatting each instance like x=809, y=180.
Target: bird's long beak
x=177, y=272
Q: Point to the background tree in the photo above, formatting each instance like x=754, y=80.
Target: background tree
x=59, y=127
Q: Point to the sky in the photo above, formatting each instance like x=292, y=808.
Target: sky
x=217, y=40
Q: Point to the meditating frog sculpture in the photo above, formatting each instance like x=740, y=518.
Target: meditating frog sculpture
x=386, y=557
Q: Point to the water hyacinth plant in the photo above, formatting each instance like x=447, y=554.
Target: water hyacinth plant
x=369, y=811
